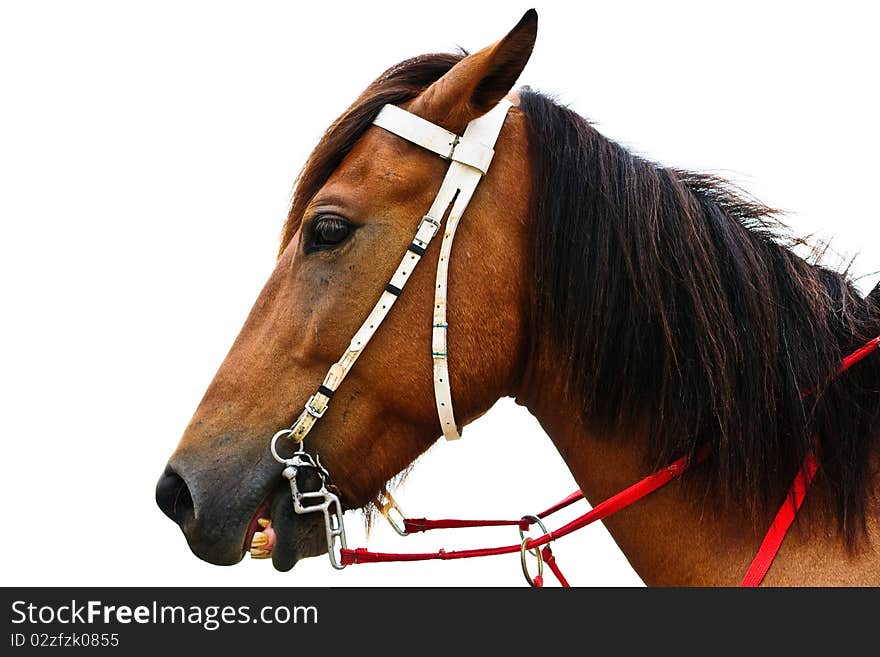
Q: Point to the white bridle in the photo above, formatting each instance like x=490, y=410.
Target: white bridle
x=470, y=156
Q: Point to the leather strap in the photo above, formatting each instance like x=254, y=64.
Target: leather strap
x=483, y=132
x=474, y=148
x=470, y=157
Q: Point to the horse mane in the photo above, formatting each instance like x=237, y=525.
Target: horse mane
x=673, y=303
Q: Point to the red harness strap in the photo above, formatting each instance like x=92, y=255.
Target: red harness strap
x=795, y=498
x=613, y=504
x=550, y=560
x=868, y=348
x=754, y=576
x=415, y=525
x=781, y=524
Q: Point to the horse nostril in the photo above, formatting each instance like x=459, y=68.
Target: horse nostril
x=173, y=497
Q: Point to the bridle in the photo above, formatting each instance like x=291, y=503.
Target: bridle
x=470, y=156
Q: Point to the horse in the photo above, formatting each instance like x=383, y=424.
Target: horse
x=639, y=312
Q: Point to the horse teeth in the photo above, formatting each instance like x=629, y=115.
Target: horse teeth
x=263, y=522
x=260, y=539
x=257, y=553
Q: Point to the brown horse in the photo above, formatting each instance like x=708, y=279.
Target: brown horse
x=637, y=311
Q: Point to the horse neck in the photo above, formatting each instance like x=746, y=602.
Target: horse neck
x=671, y=538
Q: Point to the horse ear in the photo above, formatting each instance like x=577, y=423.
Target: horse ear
x=478, y=82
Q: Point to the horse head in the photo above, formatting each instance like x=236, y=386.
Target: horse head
x=357, y=204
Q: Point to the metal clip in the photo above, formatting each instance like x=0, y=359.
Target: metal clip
x=387, y=505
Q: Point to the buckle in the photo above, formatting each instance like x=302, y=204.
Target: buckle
x=428, y=219
x=314, y=412
x=428, y=227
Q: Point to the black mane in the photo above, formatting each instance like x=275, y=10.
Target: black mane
x=672, y=303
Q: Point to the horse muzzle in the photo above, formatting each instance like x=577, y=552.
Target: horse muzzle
x=223, y=515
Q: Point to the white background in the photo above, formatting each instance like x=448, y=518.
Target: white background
x=147, y=153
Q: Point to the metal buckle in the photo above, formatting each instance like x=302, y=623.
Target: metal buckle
x=388, y=504
x=428, y=219
x=435, y=226
x=311, y=410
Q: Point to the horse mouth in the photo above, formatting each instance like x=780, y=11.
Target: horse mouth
x=276, y=532
x=259, y=539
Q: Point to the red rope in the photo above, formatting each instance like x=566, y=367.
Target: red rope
x=781, y=524
x=415, y=525
x=550, y=560
x=796, y=494
x=859, y=354
x=755, y=574
x=568, y=501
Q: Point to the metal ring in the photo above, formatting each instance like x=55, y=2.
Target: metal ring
x=275, y=455
x=535, y=520
x=525, y=567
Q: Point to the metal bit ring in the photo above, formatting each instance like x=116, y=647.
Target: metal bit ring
x=537, y=521
x=525, y=567
x=273, y=446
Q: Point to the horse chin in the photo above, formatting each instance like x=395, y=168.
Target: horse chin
x=296, y=536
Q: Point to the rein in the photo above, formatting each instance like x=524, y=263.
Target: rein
x=470, y=156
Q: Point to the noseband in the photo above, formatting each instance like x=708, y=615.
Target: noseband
x=469, y=157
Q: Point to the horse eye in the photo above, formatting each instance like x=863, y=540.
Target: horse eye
x=329, y=231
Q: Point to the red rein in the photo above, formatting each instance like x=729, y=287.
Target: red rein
x=755, y=574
